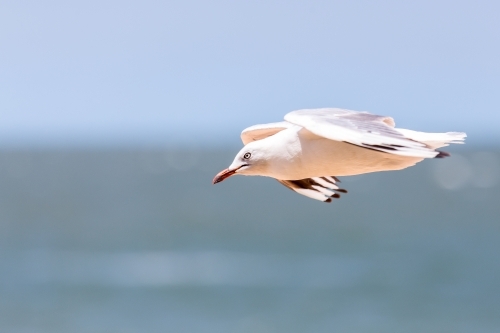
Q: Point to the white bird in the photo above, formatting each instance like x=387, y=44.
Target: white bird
x=311, y=147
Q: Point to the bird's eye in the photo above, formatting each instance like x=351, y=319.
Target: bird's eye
x=247, y=156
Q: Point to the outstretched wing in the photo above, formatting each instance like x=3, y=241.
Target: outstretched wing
x=359, y=128
x=259, y=132
x=319, y=188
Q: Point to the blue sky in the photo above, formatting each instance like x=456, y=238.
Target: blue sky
x=198, y=72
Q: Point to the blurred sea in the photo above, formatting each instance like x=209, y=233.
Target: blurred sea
x=141, y=241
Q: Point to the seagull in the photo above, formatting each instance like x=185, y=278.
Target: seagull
x=312, y=147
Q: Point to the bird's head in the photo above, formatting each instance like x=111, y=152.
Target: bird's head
x=251, y=160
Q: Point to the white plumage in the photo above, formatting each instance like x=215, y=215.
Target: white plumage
x=307, y=150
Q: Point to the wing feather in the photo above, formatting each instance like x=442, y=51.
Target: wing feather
x=359, y=128
x=262, y=131
x=318, y=188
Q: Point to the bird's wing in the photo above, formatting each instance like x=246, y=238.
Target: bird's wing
x=262, y=131
x=359, y=128
x=319, y=188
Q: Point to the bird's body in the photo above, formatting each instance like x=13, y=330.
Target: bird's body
x=311, y=147
x=300, y=154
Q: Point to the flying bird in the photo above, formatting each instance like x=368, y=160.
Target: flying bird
x=312, y=147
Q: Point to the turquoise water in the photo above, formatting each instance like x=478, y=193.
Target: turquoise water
x=140, y=241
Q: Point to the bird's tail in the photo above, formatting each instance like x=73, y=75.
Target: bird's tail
x=434, y=140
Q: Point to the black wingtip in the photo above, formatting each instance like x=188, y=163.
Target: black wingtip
x=328, y=200
x=442, y=154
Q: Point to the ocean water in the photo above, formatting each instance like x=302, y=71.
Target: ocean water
x=141, y=241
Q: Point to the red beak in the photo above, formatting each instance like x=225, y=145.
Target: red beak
x=223, y=175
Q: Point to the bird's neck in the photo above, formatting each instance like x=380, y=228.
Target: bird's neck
x=284, y=154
